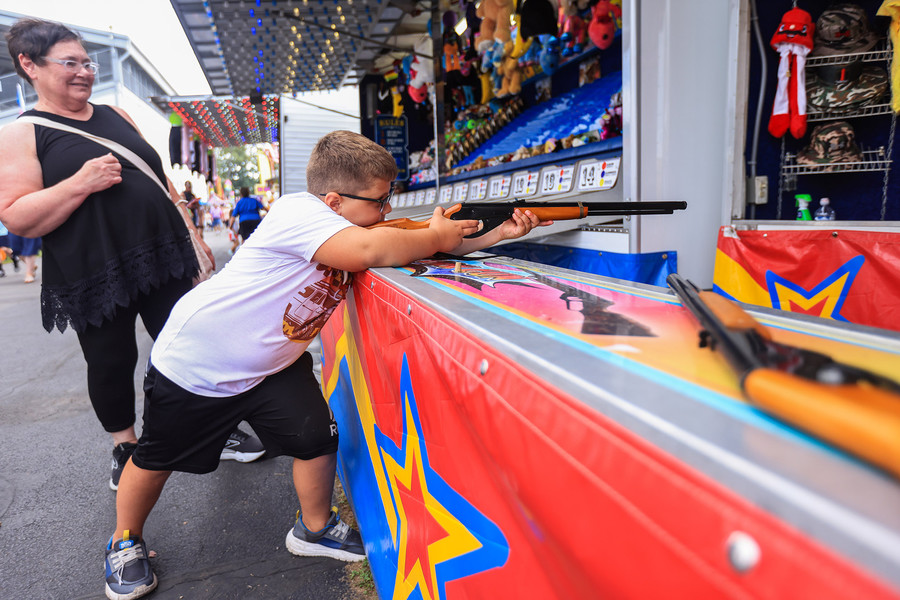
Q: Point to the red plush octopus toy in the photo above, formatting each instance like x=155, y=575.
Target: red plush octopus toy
x=793, y=41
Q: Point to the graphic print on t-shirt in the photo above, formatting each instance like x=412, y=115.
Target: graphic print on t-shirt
x=310, y=308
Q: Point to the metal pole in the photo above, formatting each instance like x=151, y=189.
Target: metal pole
x=437, y=50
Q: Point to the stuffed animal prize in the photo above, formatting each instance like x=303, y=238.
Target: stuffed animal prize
x=793, y=41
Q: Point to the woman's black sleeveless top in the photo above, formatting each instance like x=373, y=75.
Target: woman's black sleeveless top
x=121, y=242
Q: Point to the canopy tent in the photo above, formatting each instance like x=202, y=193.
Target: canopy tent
x=252, y=51
x=248, y=47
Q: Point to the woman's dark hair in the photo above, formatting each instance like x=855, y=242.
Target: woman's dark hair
x=34, y=38
x=245, y=191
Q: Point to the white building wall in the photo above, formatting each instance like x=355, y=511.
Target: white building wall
x=302, y=125
x=683, y=75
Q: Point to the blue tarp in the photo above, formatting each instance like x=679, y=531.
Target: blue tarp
x=650, y=267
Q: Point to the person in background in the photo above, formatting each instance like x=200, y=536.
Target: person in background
x=248, y=213
x=27, y=249
x=276, y=294
x=5, y=251
x=193, y=206
x=115, y=246
x=215, y=214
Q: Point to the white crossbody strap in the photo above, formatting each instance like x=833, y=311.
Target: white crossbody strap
x=116, y=147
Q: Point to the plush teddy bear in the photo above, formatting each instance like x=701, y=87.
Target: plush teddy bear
x=495, y=16
x=549, y=57
x=421, y=75
x=520, y=153
x=573, y=29
x=511, y=82
x=602, y=28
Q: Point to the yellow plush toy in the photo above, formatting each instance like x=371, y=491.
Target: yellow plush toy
x=487, y=88
x=521, y=46
x=512, y=75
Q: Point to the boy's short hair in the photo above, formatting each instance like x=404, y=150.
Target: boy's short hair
x=343, y=161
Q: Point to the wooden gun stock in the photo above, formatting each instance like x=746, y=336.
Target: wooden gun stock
x=853, y=409
x=861, y=419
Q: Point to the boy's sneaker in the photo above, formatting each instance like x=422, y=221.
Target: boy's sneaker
x=242, y=447
x=121, y=454
x=128, y=572
x=337, y=540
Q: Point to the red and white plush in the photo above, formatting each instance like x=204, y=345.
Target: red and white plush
x=793, y=41
x=421, y=74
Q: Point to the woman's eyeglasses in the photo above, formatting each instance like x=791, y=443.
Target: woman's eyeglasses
x=73, y=66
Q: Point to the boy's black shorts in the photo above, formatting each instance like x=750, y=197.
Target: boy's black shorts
x=186, y=432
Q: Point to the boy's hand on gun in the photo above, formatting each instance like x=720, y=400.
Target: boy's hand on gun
x=450, y=233
x=519, y=224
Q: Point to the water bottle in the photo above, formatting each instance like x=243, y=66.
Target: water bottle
x=803, y=201
x=825, y=212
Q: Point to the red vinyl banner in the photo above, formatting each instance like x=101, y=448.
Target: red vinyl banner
x=473, y=478
x=851, y=276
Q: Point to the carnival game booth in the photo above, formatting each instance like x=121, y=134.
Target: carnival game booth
x=531, y=112
x=514, y=430
x=816, y=230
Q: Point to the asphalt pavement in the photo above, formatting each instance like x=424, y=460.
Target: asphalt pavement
x=219, y=535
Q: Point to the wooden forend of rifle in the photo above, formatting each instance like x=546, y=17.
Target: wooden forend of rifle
x=402, y=224
x=731, y=315
x=861, y=419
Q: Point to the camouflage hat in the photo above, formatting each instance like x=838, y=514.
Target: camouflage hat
x=835, y=72
x=847, y=95
x=843, y=29
x=831, y=143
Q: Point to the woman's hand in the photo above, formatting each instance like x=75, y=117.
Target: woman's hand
x=100, y=173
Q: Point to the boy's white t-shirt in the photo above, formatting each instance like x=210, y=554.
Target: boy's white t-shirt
x=257, y=315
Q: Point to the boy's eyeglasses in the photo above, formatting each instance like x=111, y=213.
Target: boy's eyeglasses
x=73, y=66
x=381, y=201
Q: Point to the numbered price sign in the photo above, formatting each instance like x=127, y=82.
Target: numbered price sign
x=525, y=184
x=557, y=180
x=478, y=189
x=446, y=194
x=598, y=174
x=498, y=187
x=430, y=195
x=459, y=192
x=420, y=197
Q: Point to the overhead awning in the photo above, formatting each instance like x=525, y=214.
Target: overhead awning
x=252, y=47
x=227, y=121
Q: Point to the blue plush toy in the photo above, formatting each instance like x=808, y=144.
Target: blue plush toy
x=550, y=55
x=530, y=58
